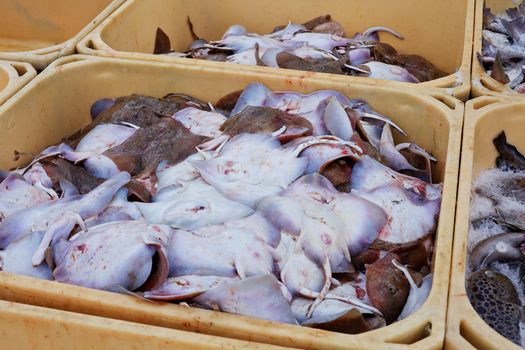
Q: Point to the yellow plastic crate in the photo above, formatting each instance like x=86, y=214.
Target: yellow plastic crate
x=25, y=327
x=440, y=31
x=485, y=118
x=14, y=75
x=482, y=83
x=40, y=31
x=57, y=103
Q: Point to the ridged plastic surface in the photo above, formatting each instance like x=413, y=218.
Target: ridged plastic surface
x=482, y=83
x=485, y=118
x=40, y=31
x=13, y=76
x=25, y=327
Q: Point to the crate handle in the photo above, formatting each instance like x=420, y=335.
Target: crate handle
x=65, y=61
x=483, y=101
x=414, y=336
x=448, y=100
x=21, y=68
x=93, y=43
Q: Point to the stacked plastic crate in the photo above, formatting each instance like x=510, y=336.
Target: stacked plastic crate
x=116, y=60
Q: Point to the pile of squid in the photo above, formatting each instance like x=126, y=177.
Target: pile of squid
x=497, y=243
x=503, y=52
x=318, y=45
x=297, y=208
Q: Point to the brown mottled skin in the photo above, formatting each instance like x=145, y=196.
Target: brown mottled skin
x=138, y=190
x=311, y=24
x=167, y=140
x=367, y=148
x=317, y=21
x=416, y=255
x=498, y=71
x=58, y=169
x=509, y=156
x=228, y=102
x=418, y=162
x=142, y=111
x=162, y=43
x=387, y=287
x=290, y=61
x=419, y=67
x=367, y=257
x=257, y=120
x=351, y=322
x=338, y=171
x=331, y=27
